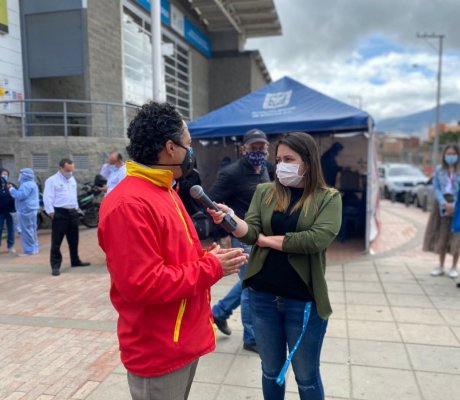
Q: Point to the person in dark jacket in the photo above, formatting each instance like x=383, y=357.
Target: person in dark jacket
x=329, y=164
x=6, y=208
x=235, y=186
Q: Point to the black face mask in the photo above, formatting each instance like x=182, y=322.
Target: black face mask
x=187, y=165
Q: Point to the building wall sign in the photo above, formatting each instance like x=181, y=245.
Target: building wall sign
x=3, y=17
x=196, y=38
x=173, y=17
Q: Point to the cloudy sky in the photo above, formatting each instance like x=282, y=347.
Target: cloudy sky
x=366, y=51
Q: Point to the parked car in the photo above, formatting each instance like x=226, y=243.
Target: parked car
x=397, y=180
x=422, y=195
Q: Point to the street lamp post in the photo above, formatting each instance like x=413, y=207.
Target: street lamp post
x=434, y=158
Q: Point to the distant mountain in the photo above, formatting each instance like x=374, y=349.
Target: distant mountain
x=418, y=124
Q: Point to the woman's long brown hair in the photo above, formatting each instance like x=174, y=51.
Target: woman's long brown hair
x=303, y=144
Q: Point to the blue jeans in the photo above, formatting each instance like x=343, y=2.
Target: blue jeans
x=235, y=297
x=277, y=323
x=9, y=229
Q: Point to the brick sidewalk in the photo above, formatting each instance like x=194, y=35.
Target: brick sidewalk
x=395, y=331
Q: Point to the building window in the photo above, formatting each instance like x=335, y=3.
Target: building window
x=81, y=161
x=177, y=77
x=40, y=162
x=137, y=64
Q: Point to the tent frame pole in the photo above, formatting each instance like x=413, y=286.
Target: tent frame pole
x=370, y=185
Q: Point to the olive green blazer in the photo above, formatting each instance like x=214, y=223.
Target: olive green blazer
x=318, y=224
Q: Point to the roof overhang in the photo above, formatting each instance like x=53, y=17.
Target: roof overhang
x=250, y=18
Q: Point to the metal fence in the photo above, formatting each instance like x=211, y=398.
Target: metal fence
x=63, y=117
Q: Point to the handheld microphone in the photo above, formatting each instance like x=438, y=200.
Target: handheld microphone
x=197, y=192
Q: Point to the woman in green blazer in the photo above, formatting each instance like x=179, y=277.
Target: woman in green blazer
x=290, y=222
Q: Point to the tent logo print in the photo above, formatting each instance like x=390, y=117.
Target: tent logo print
x=277, y=100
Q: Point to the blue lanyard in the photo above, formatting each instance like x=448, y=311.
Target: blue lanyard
x=306, y=316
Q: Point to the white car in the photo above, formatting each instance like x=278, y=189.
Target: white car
x=398, y=179
x=423, y=195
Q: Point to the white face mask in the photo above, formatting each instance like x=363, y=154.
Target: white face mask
x=67, y=175
x=288, y=174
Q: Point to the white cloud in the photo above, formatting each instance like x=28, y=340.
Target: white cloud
x=321, y=43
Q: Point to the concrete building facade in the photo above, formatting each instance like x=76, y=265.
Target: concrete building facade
x=94, y=57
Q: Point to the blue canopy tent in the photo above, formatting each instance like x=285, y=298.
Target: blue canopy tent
x=282, y=106
x=287, y=106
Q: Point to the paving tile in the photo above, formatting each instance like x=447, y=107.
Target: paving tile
x=115, y=387
x=429, y=316
x=362, y=268
x=445, y=289
x=439, y=386
x=457, y=332
x=229, y=344
x=409, y=300
x=371, y=287
x=213, y=367
x=446, y=302
x=245, y=371
x=336, y=286
x=404, y=278
x=336, y=380
x=371, y=383
x=201, y=391
x=339, y=311
x=371, y=330
x=435, y=358
x=355, y=298
x=336, y=327
x=427, y=334
x=361, y=277
x=335, y=350
x=378, y=354
x=336, y=297
x=403, y=288
x=232, y=392
x=334, y=276
x=369, y=313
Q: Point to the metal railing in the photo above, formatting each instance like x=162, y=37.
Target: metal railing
x=64, y=117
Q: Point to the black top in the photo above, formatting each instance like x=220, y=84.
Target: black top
x=182, y=188
x=236, y=184
x=277, y=275
x=6, y=200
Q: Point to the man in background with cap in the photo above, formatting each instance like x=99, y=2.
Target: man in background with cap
x=235, y=186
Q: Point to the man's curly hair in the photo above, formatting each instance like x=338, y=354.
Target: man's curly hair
x=154, y=124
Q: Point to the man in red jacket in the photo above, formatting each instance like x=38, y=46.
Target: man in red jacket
x=160, y=275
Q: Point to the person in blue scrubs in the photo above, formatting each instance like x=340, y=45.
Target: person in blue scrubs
x=27, y=205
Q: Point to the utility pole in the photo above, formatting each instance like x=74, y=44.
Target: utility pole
x=434, y=158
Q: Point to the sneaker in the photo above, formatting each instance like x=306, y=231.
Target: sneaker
x=55, y=272
x=25, y=254
x=453, y=273
x=437, y=271
x=222, y=325
x=11, y=250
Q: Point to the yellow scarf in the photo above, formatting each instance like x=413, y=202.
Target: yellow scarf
x=159, y=177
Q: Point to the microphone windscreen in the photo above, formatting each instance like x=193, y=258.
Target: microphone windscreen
x=196, y=191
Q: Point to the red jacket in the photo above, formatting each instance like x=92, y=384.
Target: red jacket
x=160, y=275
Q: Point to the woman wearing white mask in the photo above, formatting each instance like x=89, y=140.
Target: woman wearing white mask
x=439, y=237
x=291, y=222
